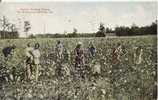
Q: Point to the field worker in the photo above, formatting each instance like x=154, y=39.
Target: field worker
x=66, y=70
x=29, y=60
x=91, y=49
x=138, y=55
x=96, y=69
x=117, y=53
x=79, y=55
x=8, y=51
x=59, y=49
x=66, y=54
x=36, y=59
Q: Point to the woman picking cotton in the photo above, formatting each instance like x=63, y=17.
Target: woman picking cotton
x=36, y=59
x=29, y=60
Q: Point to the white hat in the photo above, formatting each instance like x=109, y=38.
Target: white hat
x=80, y=43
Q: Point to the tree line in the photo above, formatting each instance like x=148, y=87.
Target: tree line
x=7, y=29
x=134, y=30
x=10, y=30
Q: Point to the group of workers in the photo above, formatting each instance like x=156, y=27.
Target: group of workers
x=32, y=55
x=32, y=59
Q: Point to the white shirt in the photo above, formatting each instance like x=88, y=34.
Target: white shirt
x=36, y=55
x=28, y=50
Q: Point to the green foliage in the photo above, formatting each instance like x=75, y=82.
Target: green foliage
x=69, y=35
x=122, y=81
x=136, y=30
x=9, y=35
x=101, y=32
x=8, y=29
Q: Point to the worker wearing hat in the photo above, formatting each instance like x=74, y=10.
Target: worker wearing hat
x=79, y=57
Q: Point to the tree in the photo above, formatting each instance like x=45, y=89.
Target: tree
x=153, y=27
x=74, y=32
x=122, y=31
x=8, y=30
x=109, y=30
x=27, y=27
x=31, y=36
x=102, y=31
x=13, y=31
x=135, y=30
x=4, y=26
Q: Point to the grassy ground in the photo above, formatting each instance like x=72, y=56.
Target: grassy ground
x=123, y=81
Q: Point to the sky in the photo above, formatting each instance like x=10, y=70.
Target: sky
x=60, y=17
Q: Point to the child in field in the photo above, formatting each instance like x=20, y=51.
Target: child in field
x=66, y=55
x=59, y=49
x=36, y=59
x=138, y=55
x=116, y=54
x=29, y=60
x=91, y=49
x=96, y=69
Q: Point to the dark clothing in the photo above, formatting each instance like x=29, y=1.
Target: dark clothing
x=92, y=51
x=7, y=51
x=79, y=59
x=79, y=52
x=29, y=61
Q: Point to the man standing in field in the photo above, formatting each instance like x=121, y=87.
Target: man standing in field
x=29, y=60
x=36, y=59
